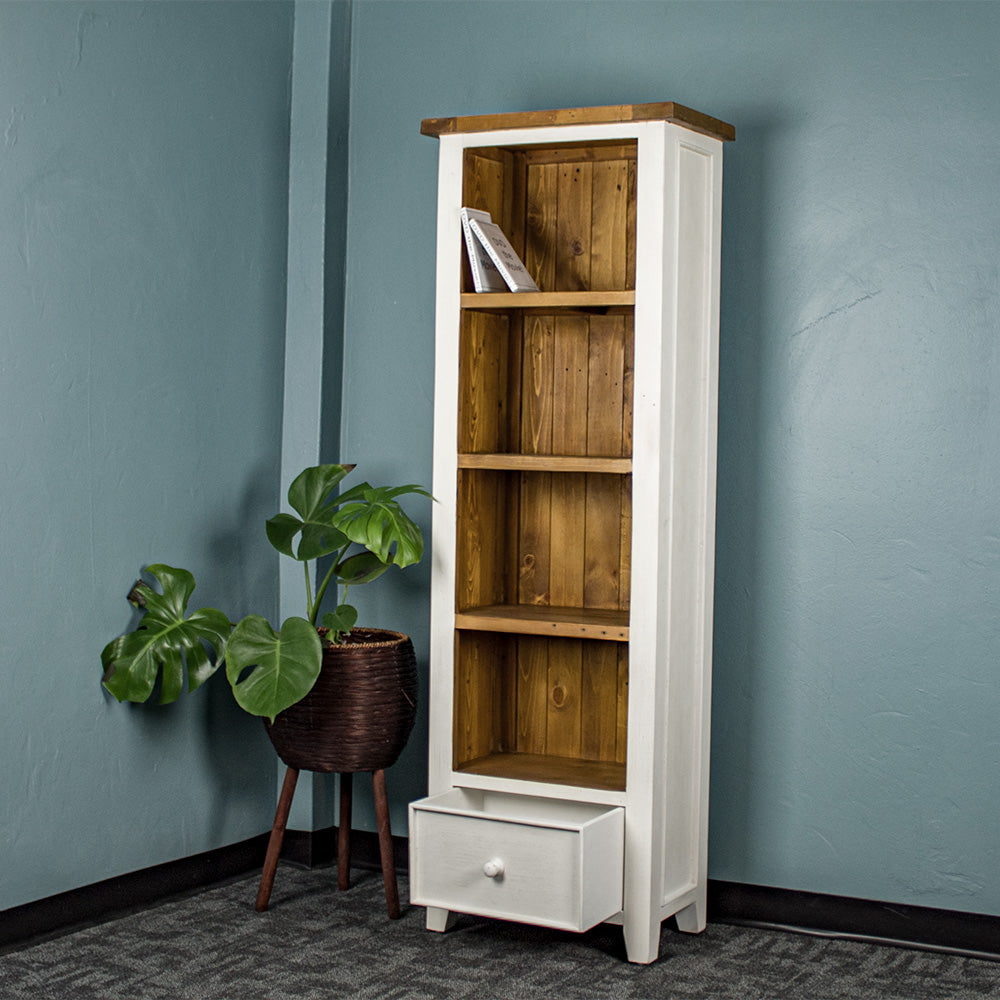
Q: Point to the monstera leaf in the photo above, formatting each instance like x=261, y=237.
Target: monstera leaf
x=268, y=670
x=361, y=568
x=166, y=639
x=372, y=517
x=310, y=495
x=340, y=621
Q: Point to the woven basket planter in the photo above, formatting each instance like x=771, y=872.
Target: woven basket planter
x=359, y=714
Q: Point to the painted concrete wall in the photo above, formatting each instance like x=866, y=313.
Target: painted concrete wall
x=143, y=216
x=856, y=693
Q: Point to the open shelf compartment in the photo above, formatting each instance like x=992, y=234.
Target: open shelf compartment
x=568, y=210
x=538, y=708
x=513, y=369
x=545, y=540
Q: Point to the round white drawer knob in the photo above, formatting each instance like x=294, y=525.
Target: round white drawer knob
x=493, y=868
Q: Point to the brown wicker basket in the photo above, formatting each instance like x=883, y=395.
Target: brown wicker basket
x=359, y=714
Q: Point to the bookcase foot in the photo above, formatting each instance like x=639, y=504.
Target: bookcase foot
x=439, y=919
x=642, y=938
x=693, y=918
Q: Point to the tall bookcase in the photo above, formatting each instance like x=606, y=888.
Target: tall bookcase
x=573, y=541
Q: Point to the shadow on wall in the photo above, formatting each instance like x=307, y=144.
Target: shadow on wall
x=746, y=206
x=238, y=573
x=243, y=763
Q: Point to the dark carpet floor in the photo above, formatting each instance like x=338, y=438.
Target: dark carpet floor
x=315, y=943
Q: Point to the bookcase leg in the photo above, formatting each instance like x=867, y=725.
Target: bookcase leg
x=438, y=919
x=642, y=937
x=693, y=918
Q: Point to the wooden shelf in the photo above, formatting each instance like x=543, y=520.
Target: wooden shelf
x=604, y=303
x=606, y=775
x=534, y=619
x=546, y=463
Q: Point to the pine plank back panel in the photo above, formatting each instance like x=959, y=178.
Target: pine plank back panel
x=542, y=384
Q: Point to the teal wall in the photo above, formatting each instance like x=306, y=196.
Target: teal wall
x=856, y=697
x=314, y=331
x=143, y=219
x=145, y=194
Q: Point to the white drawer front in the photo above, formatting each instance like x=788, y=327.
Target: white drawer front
x=539, y=861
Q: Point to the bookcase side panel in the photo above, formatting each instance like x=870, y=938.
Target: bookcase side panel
x=446, y=407
x=651, y=398
x=697, y=161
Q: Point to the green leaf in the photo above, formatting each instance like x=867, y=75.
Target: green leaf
x=312, y=487
x=311, y=495
x=361, y=568
x=398, y=491
x=340, y=621
x=360, y=492
x=373, y=518
x=166, y=639
x=268, y=670
x=281, y=531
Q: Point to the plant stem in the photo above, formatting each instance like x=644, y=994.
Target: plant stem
x=310, y=607
x=321, y=592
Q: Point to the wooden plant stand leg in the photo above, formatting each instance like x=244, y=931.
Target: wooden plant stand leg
x=385, y=844
x=277, y=835
x=344, y=832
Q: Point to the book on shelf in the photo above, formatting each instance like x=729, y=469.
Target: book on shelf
x=504, y=256
x=485, y=276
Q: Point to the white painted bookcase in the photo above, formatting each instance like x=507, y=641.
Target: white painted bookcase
x=573, y=540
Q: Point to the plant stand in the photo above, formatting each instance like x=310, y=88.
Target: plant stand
x=343, y=838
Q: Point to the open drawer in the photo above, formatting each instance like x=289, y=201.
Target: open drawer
x=549, y=862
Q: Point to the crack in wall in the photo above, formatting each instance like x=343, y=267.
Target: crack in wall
x=835, y=312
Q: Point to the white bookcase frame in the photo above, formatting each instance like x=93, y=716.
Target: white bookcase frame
x=664, y=803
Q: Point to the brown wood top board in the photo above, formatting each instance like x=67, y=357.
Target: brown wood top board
x=662, y=111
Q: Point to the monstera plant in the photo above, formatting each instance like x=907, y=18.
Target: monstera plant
x=363, y=531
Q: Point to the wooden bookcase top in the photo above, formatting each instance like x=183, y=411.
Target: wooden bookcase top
x=661, y=111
